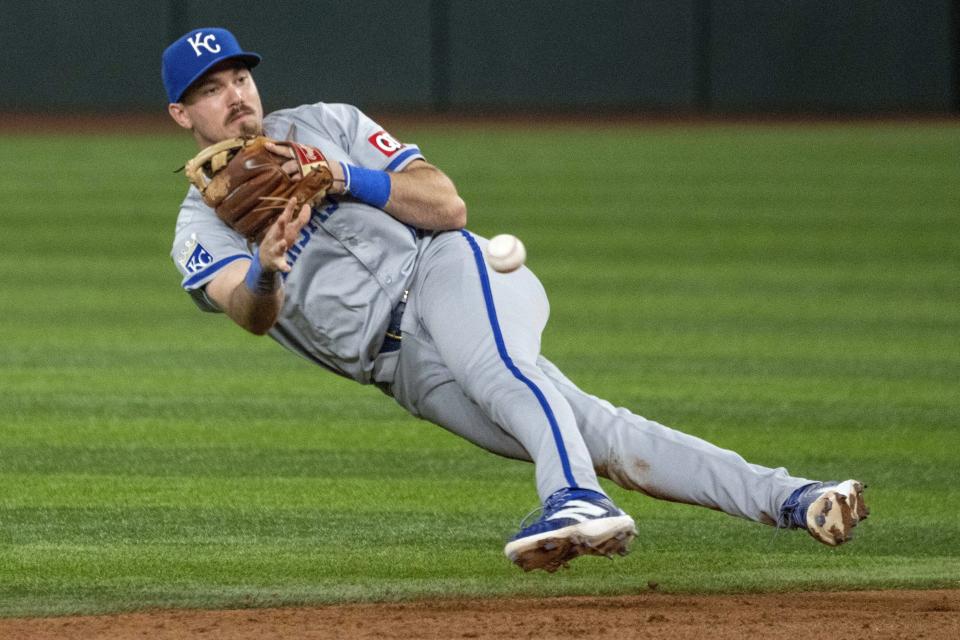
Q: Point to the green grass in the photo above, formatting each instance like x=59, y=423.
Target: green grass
x=791, y=293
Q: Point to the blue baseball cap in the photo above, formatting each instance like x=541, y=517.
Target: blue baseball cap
x=192, y=55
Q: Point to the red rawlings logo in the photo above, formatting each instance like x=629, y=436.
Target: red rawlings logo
x=385, y=143
x=307, y=155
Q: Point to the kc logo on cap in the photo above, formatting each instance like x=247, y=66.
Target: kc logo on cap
x=196, y=42
x=192, y=55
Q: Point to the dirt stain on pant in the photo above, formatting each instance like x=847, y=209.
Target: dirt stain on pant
x=632, y=473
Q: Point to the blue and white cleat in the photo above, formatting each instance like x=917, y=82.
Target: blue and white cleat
x=574, y=522
x=827, y=510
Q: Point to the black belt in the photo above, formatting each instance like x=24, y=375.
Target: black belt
x=391, y=341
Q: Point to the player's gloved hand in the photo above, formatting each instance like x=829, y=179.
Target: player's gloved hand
x=248, y=184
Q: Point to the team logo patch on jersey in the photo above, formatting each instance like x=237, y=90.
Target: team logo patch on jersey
x=385, y=143
x=198, y=260
x=194, y=257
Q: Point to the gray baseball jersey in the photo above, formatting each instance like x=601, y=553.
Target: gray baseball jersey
x=469, y=359
x=351, y=263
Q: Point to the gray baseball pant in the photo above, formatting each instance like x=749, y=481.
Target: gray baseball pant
x=470, y=362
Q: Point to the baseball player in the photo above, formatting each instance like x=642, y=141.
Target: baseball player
x=381, y=283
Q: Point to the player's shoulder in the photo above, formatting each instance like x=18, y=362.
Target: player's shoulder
x=313, y=108
x=317, y=114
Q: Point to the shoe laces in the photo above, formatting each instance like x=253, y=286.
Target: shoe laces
x=556, y=500
x=531, y=517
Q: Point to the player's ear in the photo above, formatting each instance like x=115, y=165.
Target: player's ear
x=180, y=115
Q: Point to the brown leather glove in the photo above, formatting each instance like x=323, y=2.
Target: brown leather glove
x=246, y=184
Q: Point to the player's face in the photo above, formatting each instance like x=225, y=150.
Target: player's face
x=223, y=104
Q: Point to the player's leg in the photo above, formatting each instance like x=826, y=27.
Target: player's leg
x=485, y=329
x=543, y=545
x=644, y=455
x=633, y=452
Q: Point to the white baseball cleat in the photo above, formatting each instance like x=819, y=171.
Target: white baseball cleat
x=829, y=511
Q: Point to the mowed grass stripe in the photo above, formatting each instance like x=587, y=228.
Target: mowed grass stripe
x=787, y=292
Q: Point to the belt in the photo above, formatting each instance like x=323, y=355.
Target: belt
x=391, y=341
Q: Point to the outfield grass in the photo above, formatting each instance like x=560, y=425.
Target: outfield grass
x=791, y=293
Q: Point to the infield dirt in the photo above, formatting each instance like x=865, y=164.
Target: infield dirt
x=869, y=614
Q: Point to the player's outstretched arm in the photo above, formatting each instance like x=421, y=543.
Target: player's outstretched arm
x=423, y=196
x=251, y=292
x=419, y=194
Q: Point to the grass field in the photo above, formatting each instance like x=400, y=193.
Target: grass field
x=789, y=292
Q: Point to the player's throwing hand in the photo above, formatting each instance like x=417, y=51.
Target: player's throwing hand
x=281, y=235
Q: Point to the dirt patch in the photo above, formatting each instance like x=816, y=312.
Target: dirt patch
x=869, y=614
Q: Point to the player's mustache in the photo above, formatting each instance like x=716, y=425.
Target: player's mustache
x=236, y=112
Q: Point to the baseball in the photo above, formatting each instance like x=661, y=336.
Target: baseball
x=505, y=253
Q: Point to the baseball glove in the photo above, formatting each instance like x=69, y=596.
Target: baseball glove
x=246, y=184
